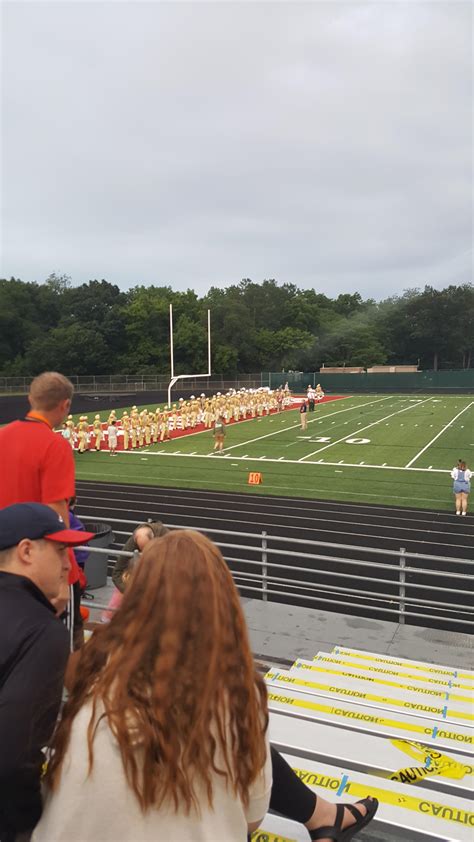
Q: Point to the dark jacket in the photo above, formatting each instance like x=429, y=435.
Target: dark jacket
x=123, y=563
x=34, y=649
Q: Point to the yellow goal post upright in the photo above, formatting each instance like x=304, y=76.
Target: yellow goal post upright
x=176, y=378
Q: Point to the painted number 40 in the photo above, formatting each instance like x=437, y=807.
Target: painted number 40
x=325, y=439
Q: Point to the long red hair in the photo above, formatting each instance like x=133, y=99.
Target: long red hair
x=174, y=673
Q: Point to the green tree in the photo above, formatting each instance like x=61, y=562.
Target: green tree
x=76, y=349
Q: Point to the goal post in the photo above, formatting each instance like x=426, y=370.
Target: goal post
x=176, y=378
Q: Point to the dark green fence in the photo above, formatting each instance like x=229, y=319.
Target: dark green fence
x=438, y=382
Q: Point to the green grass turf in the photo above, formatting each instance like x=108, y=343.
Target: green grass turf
x=386, y=467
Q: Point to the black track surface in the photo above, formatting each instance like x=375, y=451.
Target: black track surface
x=363, y=526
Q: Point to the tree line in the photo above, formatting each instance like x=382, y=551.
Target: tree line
x=96, y=328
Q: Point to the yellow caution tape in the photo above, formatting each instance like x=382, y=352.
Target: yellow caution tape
x=262, y=835
x=380, y=671
x=344, y=785
x=409, y=688
x=434, y=733
x=434, y=763
x=393, y=662
x=371, y=697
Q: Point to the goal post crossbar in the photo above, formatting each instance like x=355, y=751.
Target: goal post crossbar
x=175, y=378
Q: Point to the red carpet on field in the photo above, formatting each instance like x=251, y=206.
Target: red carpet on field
x=175, y=434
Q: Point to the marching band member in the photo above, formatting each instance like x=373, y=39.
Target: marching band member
x=148, y=423
x=164, y=426
x=82, y=433
x=134, y=427
x=72, y=429
x=141, y=427
x=126, y=430
x=97, y=432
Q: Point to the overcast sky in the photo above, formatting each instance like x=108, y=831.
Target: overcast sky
x=327, y=144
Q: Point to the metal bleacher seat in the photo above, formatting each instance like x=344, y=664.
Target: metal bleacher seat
x=406, y=737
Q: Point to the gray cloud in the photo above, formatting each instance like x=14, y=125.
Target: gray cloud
x=325, y=144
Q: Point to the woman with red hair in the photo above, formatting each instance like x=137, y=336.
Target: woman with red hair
x=164, y=735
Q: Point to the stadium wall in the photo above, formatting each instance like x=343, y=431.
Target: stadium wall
x=88, y=400
x=436, y=382
x=109, y=390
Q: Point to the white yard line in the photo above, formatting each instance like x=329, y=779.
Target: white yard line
x=312, y=420
x=282, y=459
x=449, y=424
x=361, y=429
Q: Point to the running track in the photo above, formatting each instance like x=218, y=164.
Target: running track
x=361, y=525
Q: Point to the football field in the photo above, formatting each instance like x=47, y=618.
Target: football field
x=392, y=449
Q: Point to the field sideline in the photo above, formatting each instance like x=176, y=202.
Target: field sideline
x=391, y=449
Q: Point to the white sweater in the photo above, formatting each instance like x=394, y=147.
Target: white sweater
x=102, y=807
x=467, y=474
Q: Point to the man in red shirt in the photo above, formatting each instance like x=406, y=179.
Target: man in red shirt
x=36, y=464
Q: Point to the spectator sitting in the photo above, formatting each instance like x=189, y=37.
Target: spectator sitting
x=123, y=567
x=137, y=542
x=34, y=563
x=166, y=708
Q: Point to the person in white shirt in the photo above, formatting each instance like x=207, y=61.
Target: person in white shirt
x=164, y=734
x=112, y=437
x=461, y=486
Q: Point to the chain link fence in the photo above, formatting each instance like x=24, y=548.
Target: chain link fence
x=107, y=383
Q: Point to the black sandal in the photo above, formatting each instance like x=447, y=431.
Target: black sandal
x=336, y=832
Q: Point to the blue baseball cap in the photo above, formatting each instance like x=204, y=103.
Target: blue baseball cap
x=35, y=521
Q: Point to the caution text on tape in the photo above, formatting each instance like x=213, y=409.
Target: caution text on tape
x=414, y=728
x=262, y=835
x=426, y=679
x=371, y=697
x=431, y=762
x=385, y=796
x=394, y=662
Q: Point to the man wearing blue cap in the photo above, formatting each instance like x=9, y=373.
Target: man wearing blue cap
x=34, y=648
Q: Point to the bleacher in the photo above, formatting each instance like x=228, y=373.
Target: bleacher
x=392, y=369
x=355, y=723
x=339, y=369
x=375, y=369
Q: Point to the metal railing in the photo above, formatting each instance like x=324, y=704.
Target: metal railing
x=139, y=382
x=260, y=571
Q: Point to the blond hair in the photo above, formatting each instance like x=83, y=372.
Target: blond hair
x=49, y=389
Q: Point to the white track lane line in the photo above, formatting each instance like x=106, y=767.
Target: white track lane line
x=213, y=496
x=449, y=424
x=325, y=506
x=320, y=462
x=361, y=430
x=294, y=426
